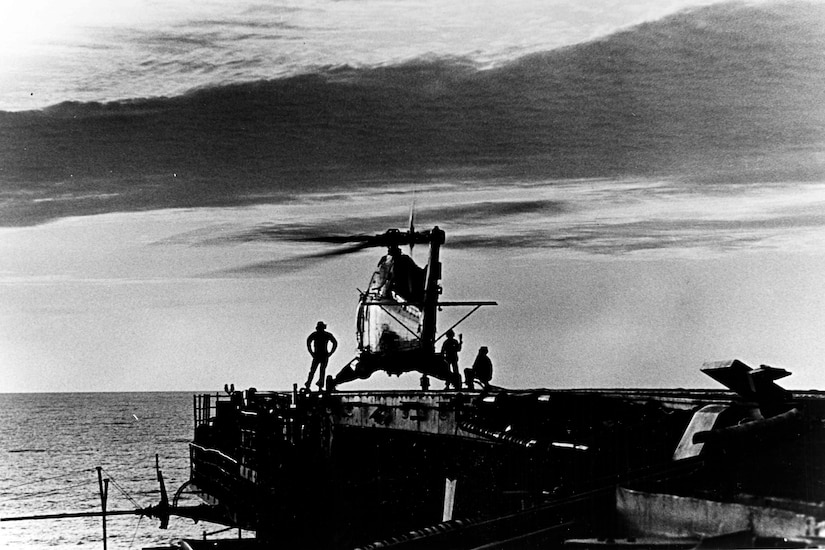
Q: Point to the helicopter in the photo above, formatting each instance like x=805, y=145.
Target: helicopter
x=396, y=325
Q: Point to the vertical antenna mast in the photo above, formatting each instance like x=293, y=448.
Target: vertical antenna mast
x=104, y=493
x=431, y=291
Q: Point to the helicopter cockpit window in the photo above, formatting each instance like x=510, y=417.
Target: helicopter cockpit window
x=389, y=318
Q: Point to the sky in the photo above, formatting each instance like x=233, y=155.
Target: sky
x=639, y=187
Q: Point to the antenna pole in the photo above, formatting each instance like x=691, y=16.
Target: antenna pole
x=103, y=484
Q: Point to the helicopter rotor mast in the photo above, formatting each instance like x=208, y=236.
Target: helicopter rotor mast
x=432, y=290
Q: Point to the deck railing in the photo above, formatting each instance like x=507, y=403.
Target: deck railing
x=205, y=407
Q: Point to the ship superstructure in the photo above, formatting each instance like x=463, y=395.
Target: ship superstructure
x=465, y=469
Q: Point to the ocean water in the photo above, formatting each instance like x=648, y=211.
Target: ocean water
x=50, y=446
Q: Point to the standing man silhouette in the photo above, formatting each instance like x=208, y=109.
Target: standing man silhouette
x=450, y=349
x=318, y=347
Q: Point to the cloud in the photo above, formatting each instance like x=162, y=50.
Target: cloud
x=724, y=94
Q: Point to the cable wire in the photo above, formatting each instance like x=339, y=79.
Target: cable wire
x=136, y=531
x=122, y=490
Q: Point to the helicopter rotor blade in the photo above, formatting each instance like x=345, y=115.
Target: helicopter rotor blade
x=339, y=239
x=391, y=237
x=358, y=246
x=354, y=243
x=291, y=264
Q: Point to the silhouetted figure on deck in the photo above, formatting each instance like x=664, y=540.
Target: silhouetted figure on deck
x=482, y=370
x=449, y=350
x=318, y=345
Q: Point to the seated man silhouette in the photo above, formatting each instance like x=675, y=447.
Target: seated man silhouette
x=482, y=370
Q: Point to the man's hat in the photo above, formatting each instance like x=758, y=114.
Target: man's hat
x=320, y=325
